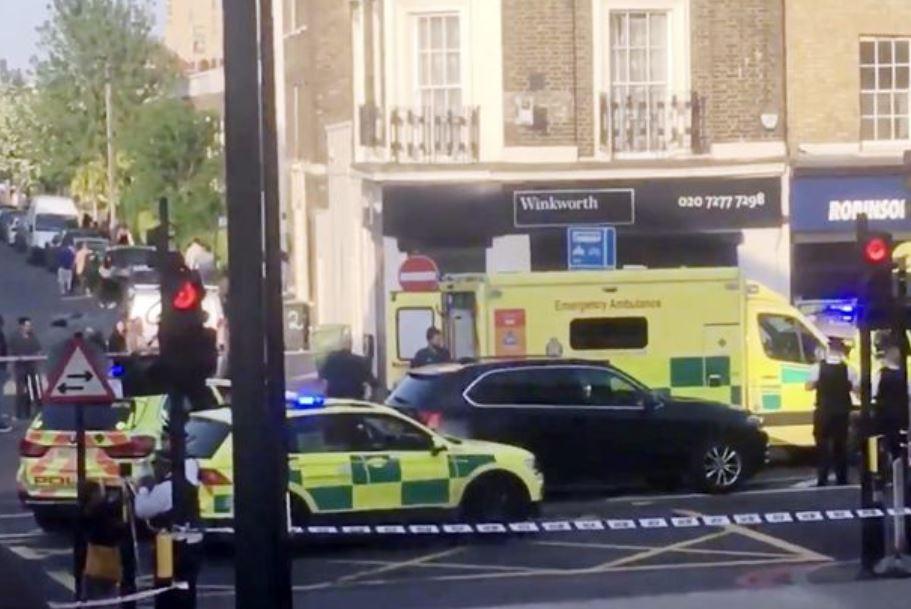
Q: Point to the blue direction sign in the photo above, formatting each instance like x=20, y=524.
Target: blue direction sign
x=591, y=247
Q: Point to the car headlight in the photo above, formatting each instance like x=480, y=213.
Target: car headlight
x=754, y=421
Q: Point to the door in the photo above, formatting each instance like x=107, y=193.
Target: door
x=783, y=352
x=319, y=462
x=409, y=316
x=721, y=349
x=461, y=325
x=400, y=467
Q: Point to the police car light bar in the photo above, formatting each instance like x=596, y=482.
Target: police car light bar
x=116, y=371
x=305, y=401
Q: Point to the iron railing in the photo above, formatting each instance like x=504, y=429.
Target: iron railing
x=669, y=123
x=421, y=135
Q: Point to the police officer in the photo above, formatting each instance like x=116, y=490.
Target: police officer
x=891, y=399
x=834, y=381
x=346, y=374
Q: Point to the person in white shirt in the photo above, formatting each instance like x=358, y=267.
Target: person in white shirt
x=157, y=500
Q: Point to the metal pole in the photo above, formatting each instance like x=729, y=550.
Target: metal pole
x=79, y=547
x=109, y=129
x=262, y=570
x=274, y=313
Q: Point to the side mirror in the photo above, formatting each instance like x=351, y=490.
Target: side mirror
x=438, y=447
x=651, y=402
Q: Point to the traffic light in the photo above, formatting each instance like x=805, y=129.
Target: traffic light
x=188, y=352
x=877, y=290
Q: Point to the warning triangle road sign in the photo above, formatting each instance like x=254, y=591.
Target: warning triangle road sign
x=77, y=379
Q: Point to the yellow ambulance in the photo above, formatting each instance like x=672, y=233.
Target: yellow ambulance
x=705, y=333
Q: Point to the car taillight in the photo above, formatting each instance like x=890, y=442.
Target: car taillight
x=431, y=418
x=138, y=447
x=28, y=448
x=213, y=477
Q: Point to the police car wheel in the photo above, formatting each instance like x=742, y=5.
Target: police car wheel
x=719, y=467
x=495, y=498
x=300, y=513
x=48, y=521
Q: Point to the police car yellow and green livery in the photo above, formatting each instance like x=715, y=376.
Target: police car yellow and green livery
x=362, y=460
x=120, y=440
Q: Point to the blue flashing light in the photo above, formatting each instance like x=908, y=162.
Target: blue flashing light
x=301, y=402
x=116, y=371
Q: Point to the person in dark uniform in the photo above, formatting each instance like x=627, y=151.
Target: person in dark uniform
x=346, y=374
x=834, y=381
x=891, y=391
x=434, y=353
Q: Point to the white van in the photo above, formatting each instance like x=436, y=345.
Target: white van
x=144, y=311
x=47, y=216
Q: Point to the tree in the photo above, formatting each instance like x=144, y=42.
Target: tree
x=87, y=44
x=17, y=124
x=175, y=152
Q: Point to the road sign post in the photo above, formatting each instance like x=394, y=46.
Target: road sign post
x=78, y=380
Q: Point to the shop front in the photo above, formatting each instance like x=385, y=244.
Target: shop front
x=524, y=226
x=824, y=209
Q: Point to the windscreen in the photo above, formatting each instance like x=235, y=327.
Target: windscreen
x=53, y=222
x=204, y=436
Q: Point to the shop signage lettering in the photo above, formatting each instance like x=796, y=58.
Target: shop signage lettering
x=876, y=209
x=546, y=208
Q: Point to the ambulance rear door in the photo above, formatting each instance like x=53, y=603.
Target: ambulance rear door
x=408, y=317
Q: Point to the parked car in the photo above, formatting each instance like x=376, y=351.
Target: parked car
x=587, y=422
x=128, y=259
x=143, y=311
x=8, y=219
x=68, y=238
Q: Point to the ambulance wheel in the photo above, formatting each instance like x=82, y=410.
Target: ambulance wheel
x=718, y=467
x=496, y=497
x=300, y=513
x=49, y=521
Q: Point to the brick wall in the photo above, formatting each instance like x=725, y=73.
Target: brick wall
x=737, y=64
x=824, y=63
x=538, y=66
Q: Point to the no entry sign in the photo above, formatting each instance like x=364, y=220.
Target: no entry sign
x=419, y=274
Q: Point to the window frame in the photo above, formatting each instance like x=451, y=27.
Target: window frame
x=417, y=54
x=799, y=329
x=398, y=326
x=406, y=422
x=892, y=92
x=572, y=345
x=584, y=407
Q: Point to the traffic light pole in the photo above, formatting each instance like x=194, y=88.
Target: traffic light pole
x=262, y=569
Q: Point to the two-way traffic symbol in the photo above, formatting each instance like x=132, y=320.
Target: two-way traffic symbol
x=77, y=378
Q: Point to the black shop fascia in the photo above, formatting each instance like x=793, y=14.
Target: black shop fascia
x=660, y=223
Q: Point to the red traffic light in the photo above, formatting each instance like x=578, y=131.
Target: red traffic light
x=877, y=250
x=187, y=297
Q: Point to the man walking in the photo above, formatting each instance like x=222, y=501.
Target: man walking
x=891, y=391
x=24, y=343
x=434, y=353
x=5, y=427
x=834, y=381
x=346, y=374
x=66, y=258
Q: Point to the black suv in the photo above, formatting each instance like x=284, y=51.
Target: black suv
x=587, y=422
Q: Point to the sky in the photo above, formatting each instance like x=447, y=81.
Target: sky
x=20, y=18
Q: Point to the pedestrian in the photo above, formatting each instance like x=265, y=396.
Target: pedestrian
x=5, y=427
x=117, y=341
x=24, y=343
x=105, y=529
x=107, y=286
x=193, y=250
x=833, y=381
x=347, y=375
x=434, y=353
x=205, y=263
x=80, y=263
x=66, y=259
x=891, y=392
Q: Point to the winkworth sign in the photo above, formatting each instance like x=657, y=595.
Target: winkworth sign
x=832, y=203
x=541, y=208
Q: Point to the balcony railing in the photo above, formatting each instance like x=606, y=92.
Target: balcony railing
x=661, y=124
x=422, y=136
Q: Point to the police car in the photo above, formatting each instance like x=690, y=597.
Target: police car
x=120, y=441
x=365, y=461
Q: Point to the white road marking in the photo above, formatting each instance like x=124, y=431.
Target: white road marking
x=64, y=578
x=15, y=516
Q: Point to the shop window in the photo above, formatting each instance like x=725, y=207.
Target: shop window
x=608, y=333
x=411, y=330
x=785, y=339
x=885, y=88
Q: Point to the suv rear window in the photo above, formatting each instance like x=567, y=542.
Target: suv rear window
x=97, y=418
x=204, y=436
x=419, y=391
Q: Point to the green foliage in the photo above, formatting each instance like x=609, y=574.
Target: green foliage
x=86, y=44
x=176, y=153
x=18, y=158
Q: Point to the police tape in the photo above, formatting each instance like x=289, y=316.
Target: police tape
x=577, y=525
x=110, y=602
